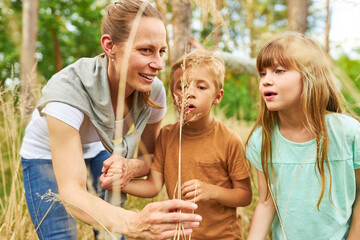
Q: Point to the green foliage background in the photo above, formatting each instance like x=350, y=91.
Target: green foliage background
x=77, y=24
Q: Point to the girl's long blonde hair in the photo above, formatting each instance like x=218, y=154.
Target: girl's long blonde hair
x=319, y=96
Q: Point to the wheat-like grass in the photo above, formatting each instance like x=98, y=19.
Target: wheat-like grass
x=15, y=222
x=53, y=197
x=182, y=104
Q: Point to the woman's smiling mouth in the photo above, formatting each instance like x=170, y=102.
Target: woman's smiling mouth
x=149, y=78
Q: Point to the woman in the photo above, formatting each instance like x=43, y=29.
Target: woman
x=78, y=109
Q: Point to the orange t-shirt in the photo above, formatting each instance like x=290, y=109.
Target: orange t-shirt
x=215, y=155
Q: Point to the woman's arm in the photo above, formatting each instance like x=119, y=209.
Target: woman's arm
x=264, y=212
x=154, y=222
x=354, y=232
x=132, y=167
x=238, y=196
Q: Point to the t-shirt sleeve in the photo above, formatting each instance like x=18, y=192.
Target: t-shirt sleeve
x=357, y=146
x=158, y=164
x=253, y=149
x=158, y=114
x=65, y=113
x=237, y=166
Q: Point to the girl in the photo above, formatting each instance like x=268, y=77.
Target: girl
x=78, y=109
x=306, y=152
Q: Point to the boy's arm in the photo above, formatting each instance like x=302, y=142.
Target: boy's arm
x=145, y=188
x=354, y=232
x=134, y=167
x=238, y=196
x=264, y=211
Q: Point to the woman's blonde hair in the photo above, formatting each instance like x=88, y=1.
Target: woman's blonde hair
x=117, y=24
x=319, y=96
x=204, y=58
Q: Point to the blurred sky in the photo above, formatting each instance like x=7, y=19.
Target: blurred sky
x=345, y=27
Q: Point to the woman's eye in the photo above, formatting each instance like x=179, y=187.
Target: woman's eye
x=162, y=52
x=280, y=70
x=201, y=87
x=145, y=50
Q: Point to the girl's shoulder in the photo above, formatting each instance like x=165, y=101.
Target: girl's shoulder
x=342, y=122
x=340, y=118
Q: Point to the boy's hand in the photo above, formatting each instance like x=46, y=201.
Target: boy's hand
x=114, y=173
x=196, y=190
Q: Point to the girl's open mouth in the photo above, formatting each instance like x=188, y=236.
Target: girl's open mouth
x=269, y=95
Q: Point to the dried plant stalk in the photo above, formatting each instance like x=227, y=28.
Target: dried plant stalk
x=53, y=197
x=123, y=73
x=182, y=105
x=120, y=109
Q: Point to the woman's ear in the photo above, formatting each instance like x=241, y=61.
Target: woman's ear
x=107, y=45
x=219, y=96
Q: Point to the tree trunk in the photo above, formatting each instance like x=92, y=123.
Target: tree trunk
x=297, y=15
x=56, y=43
x=327, y=26
x=249, y=5
x=57, y=51
x=181, y=22
x=27, y=60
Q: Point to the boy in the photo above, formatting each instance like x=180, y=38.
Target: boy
x=213, y=169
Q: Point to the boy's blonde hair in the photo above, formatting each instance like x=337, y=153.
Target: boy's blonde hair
x=319, y=95
x=204, y=58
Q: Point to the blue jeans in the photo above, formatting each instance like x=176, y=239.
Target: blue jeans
x=50, y=217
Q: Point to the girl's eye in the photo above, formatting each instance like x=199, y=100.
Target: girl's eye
x=201, y=87
x=262, y=74
x=280, y=71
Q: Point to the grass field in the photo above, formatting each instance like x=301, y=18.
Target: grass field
x=15, y=222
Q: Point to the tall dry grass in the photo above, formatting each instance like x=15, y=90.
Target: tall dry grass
x=15, y=221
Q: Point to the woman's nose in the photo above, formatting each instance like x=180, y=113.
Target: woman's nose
x=157, y=63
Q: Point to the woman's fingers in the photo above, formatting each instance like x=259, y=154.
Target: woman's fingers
x=171, y=206
x=165, y=231
x=117, y=169
x=108, y=162
x=158, y=220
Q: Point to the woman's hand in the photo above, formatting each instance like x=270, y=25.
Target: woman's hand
x=158, y=220
x=196, y=190
x=115, y=172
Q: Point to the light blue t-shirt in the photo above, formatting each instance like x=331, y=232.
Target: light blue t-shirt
x=298, y=185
